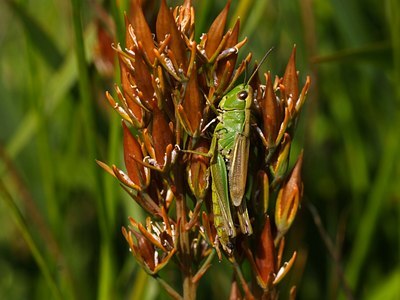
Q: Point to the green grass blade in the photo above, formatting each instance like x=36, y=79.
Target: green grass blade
x=388, y=288
x=202, y=17
x=37, y=35
x=376, y=52
x=378, y=195
x=57, y=87
x=37, y=254
x=24, y=133
x=242, y=11
x=106, y=271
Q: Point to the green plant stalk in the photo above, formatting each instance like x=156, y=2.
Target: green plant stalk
x=384, y=176
x=202, y=16
x=110, y=192
x=110, y=188
x=242, y=10
x=349, y=22
x=139, y=285
x=106, y=276
x=358, y=181
x=46, y=166
x=55, y=255
x=37, y=254
x=37, y=34
x=174, y=295
x=83, y=79
x=257, y=13
x=114, y=139
x=106, y=281
x=206, y=265
x=375, y=202
x=117, y=12
x=343, y=111
x=57, y=87
x=43, y=140
x=26, y=130
x=387, y=288
x=394, y=18
x=47, y=170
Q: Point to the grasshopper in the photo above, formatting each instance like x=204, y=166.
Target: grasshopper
x=229, y=152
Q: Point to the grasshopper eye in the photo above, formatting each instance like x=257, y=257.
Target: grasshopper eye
x=242, y=95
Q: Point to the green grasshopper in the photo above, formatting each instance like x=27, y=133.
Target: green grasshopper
x=229, y=152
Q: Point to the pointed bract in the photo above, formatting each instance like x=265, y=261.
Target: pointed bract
x=133, y=150
x=198, y=171
x=162, y=136
x=166, y=26
x=141, y=80
x=193, y=103
x=271, y=113
x=290, y=78
x=216, y=31
x=141, y=28
x=265, y=254
x=129, y=92
x=288, y=199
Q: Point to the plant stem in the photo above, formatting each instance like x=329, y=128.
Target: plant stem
x=106, y=276
x=203, y=269
x=189, y=287
x=243, y=282
x=169, y=289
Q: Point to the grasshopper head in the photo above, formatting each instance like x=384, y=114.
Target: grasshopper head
x=240, y=97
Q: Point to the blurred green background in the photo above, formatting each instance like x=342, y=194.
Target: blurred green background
x=60, y=214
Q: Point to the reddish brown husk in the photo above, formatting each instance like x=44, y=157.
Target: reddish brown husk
x=265, y=254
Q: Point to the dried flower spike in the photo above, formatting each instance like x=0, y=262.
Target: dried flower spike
x=197, y=143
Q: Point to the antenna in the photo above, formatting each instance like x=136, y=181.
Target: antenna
x=259, y=65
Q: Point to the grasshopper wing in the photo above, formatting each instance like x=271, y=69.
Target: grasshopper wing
x=238, y=169
x=244, y=219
